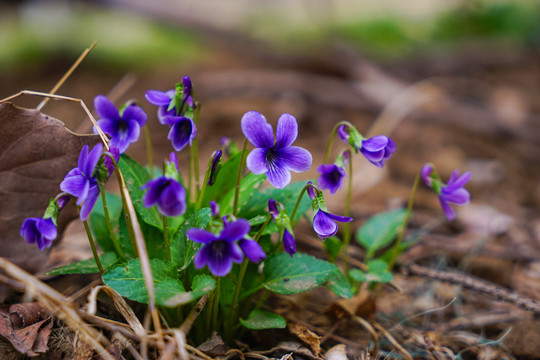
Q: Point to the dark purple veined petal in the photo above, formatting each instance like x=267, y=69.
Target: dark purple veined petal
x=252, y=250
x=286, y=131
x=272, y=208
x=121, y=138
x=83, y=158
x=156, y=97
x=108, y=126
x=89, y=202
x=278, y=174
x=234, y=231
x=295, y=158
x=323, y=225
x=154, y=188
x=257, y=130
x=172, y=200
x=105, y=108
x=182, y=133
x=201, y=236
x=73, y=183
x=164, y=115
x=375, y=143
x=219, y=257
x=47, y=228
x=82, y=197
x=201, y=258
x=134, y=112
x=289, y=244
x=256, y=161
x=331, y=177
x=236, y=253
x=459, y=196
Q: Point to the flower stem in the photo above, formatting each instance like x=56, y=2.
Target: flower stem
x=331, y=140
x=397, y=245
x=93, y=246
x=215, y=307
x=166, y=238
x=239, y=177
x=304, y=189
x=205, y=183
x=149, y=152
x=347, y=225
x=127, y=216
x=242, y=273
x=109, y=224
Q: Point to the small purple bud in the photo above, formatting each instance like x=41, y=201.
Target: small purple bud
x=425, y=174
x=214, y=170
x=62, y=201
x=311, y=191
x=289, y=244
x=215, y=208
x=272, y=208
x=343, y=134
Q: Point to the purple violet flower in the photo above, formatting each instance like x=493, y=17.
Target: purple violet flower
x=324, y=222
x=167, y=193
x=331, y=177
x=81, y=181
x=275, y=157
x=124, y=128
x=452, y=192
x=167, y=101
x=220, y=251
x=39, y=231
x=183, y=131
x=289, y=243
x=376, y=149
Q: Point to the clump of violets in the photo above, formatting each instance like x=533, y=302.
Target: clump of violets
x=82, y=182
x=175, y=108
x=332, y=175
x=274, y=157
x=123, y=127
x=376, y=149
x=166, y=191
x=220, y=251
x=279, y=214
x=452, y=192
x=324, y=222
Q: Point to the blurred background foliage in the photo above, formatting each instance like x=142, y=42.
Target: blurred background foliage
x=135, y=34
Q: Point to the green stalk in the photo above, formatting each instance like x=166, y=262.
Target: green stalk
x=127, y=216
x=347, y=225
x=93, y=246
x=304, y=189
x=331, y=140
x=109, y=224
x=149, y=152
x=234, y=308
x=195, y=151
x=215, y=307
x=239, y=177
x=166, y=238
x=397, y=245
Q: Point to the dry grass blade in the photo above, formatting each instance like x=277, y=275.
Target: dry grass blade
x=120, y=304
x=366, y=325
x=58, y=304
x=180, y=337
x=394, y=342
x=101, y=134
x=66, y=75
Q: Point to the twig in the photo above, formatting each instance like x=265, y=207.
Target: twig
x=193, y=314
x=394, y=342
x=475, y=284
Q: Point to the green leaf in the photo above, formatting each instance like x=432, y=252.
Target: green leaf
x=380, y=230
x=87, y=266
x=248, y=185
x=99, y=225
x=338, y=284
x=183, y=250
x=202, y=284
x=258, y=203
x=155, y=244
x=225, y=181
x=137, y=176
x=128, y=281
x=285, y=275
x=261, y=319
x=377, y=272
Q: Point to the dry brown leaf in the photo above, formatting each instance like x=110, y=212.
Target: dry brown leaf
x=337, y=352
x=36, y=152
x=27, y=327
x=307, y=336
